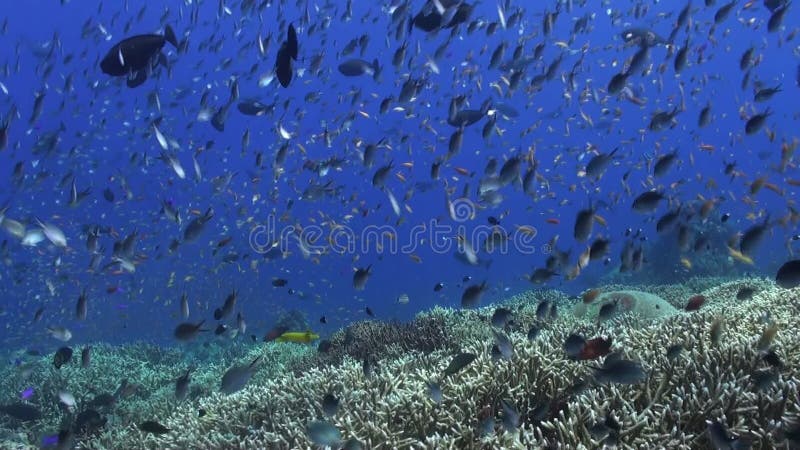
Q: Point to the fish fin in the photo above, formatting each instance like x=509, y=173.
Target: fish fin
x=169, y=36
x=137, y=80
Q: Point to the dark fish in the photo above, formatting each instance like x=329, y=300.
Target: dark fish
x=510, y=415
x=471, y=296
x=358, y=67
x=86, y=356
x=788, y=276
x=108, y=194
x=598, y=164
x=774, y=5
x=705, y=116
x=81, y=306
x=664, y=163
x=151, y=426
x=292, y=45
x=533, y=332
x=89, y=421
x=681, y=57
x=599, y=249
x=132, y=56
x=752, y=237
x=776, y=19
x=501, y=317
x=638, y=60
x=438, y=287
x=723, y=12
x=37, y=316
x=187, y=331
x=763, y=379
x=253, y=107
x=647, y=202
x=675, y=350
x=435, y=392
x=22, y=412
x=197, y=225
x=620, y=371
x=459, y=362
x=756, y=122
x=62, y=356
x=275, y=333
x=573, y=345
x=279, y=282
x=467, y=117
x=288, y=51
x=643, y=37
x=745, y=293
x=764, y=94
x=227, y=306
x=360, y=277
x=715, y=330
x=323, y=434
x=584, y=223
x=595, y=348
x=235, y=378
x=103, y=400
x=368, y=367
x=182, y=386
x=379, y=178
x=746, y=60
x=617, y=82
x=330, y=405
x=662, y=119
x=503, y=345
x=721, y=439
x=666, y=221
x=695, y=302
x=608, y=311
x=541, y=309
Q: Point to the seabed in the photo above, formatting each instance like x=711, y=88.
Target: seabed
x=559, y=405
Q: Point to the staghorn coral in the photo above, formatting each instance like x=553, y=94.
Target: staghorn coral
x=378, y=340
x=391, y=409
x=149, y=370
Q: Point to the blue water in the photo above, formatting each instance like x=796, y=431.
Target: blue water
x=106, y=123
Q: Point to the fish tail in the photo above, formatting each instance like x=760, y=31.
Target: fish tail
x=169, y=35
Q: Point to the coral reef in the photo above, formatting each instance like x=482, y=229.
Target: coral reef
x=380, y=340
x=712, y=378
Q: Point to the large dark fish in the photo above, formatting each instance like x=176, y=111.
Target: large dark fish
x=598, y=164
x=788, y=276
x=151, y=426
x=430, y=19
x=287, y=53
x=722, y=439
x=458, y=362
x=647, y=202
x=21, y=411
x=584, y=222
x=237, y=377
x=620, y=371
x=132, y=56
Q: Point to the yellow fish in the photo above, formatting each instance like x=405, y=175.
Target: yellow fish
x=299, y=337
x=739, y=256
